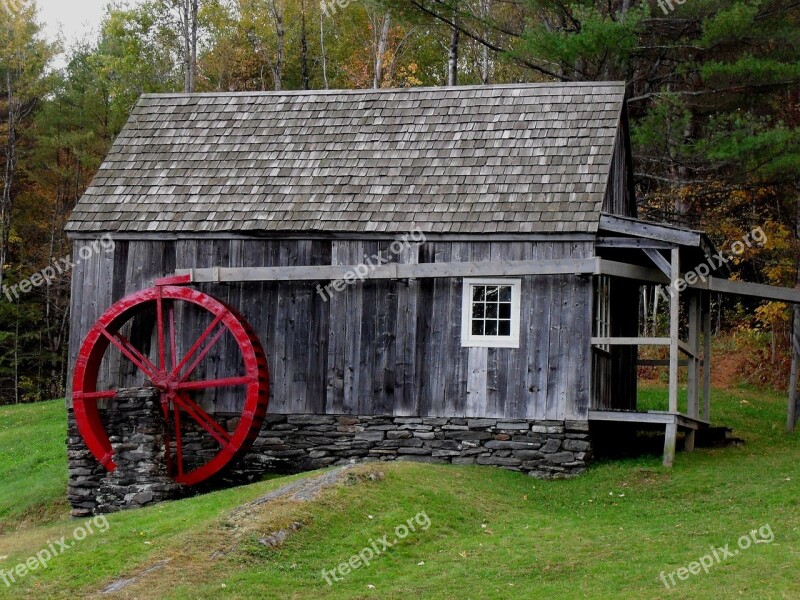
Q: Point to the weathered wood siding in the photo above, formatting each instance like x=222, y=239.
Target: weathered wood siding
x=618, y=199
x=378, y=347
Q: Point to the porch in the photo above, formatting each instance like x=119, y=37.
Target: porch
x=682, y=260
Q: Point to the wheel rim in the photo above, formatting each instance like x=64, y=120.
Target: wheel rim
x=174, y=376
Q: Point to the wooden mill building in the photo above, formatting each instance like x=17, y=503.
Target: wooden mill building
x=445, y=275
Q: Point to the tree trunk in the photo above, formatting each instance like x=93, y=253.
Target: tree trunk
x=380, y=51
x=304, y=47
x=322, y=49
x=277, y=67
x=189, y=25
x=193, y=58
x=452, y=56
x=452, y=50
x=7, y=199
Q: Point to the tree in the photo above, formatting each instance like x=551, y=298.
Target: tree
x=24, y=57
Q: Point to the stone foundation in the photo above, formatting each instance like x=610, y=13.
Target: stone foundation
x=545, y=449
x=136, y=432
x=296, y=443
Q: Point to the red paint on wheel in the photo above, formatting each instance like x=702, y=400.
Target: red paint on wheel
x=173, y=379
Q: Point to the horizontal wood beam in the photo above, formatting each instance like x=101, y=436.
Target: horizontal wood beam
x=655, y=362
x=352, y=273
x=649, y=417
x=743, y=288
x=622, y=242
x=653, y=231
x=630, y=341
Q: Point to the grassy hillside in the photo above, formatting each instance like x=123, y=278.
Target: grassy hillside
x=33, y=458
x=491, y=533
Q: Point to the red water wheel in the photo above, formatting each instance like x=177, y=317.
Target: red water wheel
x=139, y=340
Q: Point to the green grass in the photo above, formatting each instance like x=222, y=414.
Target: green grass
x=33, y=456
x=493, y=533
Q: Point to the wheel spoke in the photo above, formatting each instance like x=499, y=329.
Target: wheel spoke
x=178, y=440
x=167, y=441
x=204, y=419
x=173, y=346
x=203, y=337
x=94, y=395
x=130, y=352
x=162, y=362
x=214, y=383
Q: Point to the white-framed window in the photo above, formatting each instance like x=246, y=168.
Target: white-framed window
x=490, y=313
x=602, y=310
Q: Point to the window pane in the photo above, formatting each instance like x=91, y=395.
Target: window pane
x=479, y=293
x=505, y=311
x=477, y=327
x=492, y=293
x=491, y=328
x=505, y=293
x=491, y=311
x=478, y=310
x=505, y=328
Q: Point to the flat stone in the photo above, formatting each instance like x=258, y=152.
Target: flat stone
x=552, y=445
x=496, y=445
x=481, y=423
x=528, y=454
x=577, y=425
x=575, y=445
x=404, y=443
x=560, y=457
x=143, y=497
x=469, y=435
x=370, y=436
x=310, y=420
x=499, y=462
x=420, y=451
x=446, y=453
x=423, y=459
x=513, y=426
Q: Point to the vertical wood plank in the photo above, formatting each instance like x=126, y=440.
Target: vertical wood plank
x=476, y=405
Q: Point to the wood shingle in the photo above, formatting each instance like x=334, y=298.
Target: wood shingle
x=505, y=159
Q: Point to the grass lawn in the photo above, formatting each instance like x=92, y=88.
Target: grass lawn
x=492, y=533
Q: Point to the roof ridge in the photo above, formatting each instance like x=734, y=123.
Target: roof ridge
x=369, y=91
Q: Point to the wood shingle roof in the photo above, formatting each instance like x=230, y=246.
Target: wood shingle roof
x=496, y=159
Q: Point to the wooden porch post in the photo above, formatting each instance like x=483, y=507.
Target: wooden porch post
x=707, y=357
x=671, y=433
x=693, y=378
